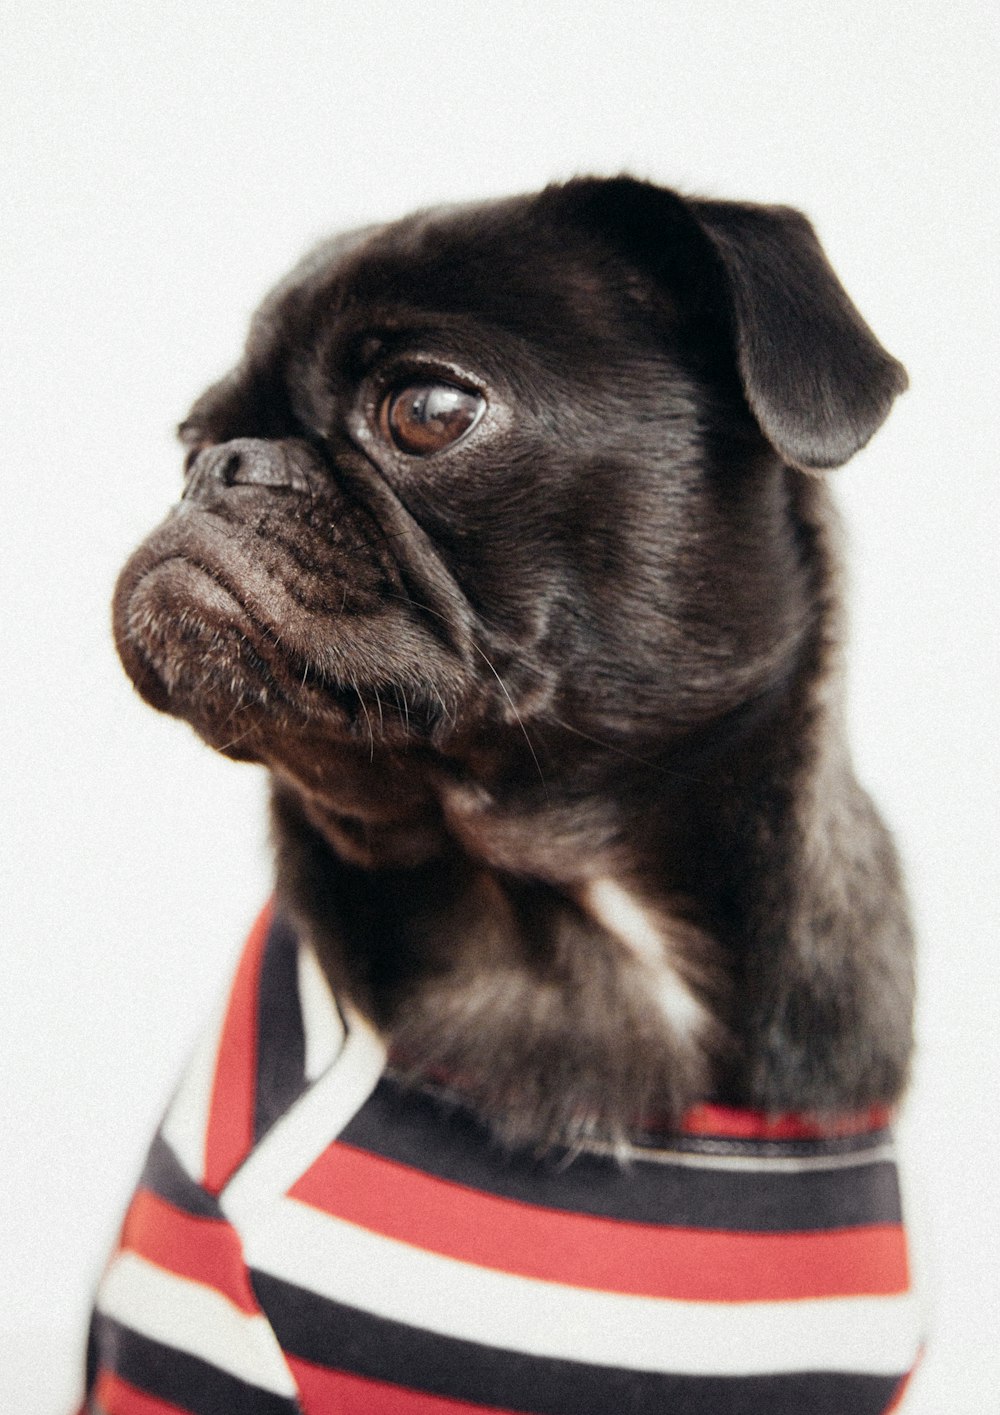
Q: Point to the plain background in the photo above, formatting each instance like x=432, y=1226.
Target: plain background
x=164, y=163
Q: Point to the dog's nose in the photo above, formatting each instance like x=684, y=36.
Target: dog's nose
x=247, y=461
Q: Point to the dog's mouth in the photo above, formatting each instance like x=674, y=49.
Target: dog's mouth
x=253, y=627
x=193, y=649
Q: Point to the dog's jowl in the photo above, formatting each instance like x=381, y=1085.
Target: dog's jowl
x=557, y=1076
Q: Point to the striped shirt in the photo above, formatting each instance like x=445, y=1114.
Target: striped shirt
x=309, y=1237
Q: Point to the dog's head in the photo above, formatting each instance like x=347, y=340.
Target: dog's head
x=498, y=498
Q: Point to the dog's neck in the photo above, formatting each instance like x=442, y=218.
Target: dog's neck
x=701, y=933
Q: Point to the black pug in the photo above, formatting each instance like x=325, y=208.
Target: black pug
x=505, y=549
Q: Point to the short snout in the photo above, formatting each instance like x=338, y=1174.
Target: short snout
x=248, y=461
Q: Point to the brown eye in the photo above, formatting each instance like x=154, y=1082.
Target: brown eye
x=427, y=417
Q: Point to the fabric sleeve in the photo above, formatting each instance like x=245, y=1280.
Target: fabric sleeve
x=177, y=1328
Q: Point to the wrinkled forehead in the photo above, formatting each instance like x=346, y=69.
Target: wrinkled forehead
x=511, y=264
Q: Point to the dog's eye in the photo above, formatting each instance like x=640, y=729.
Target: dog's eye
x=423, y=418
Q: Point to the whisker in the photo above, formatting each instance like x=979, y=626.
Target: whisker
x=651, y=762
x=435, y=613
x=235, y=741
x=371, y=734
x=517, y=715
x=426, y=609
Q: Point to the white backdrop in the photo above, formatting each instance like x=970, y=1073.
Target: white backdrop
x=164, y=163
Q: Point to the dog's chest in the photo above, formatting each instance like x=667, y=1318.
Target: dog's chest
x=309, y=1236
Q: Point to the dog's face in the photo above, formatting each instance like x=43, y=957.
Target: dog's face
x=498, y=479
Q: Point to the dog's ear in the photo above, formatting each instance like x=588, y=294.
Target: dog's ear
x=816, y=379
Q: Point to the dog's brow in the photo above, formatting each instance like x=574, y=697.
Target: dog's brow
x=369, y=347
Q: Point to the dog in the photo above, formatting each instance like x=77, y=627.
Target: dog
x=557, y=1074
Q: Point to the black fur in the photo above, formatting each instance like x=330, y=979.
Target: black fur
x=597, y=638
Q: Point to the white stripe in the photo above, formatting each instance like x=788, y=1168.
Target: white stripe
x=917, y=1213
x=321, y=1023
x=305, y=1130
x=624, y=918
x=186, y=1122
x=764, y=1163
x=191, y=1317
x=390, y=1279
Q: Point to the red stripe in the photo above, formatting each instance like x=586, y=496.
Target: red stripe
x=610, y=1255
x=727, y=1122
x=899, y=1397
x=118, y=1397
x=904, y=1385
x=322, y=1391
x=229, y=1136
x=205, y=1250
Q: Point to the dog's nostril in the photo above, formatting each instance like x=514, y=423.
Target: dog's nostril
x=227, y=472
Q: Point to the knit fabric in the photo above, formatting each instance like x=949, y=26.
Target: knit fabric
x=310, y=1237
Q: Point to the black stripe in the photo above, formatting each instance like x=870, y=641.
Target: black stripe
x=281, y=1051
x=342, y=1338
x=93, y=1357
x=175, y=1376
x=417, y=1129
x=164, y=1175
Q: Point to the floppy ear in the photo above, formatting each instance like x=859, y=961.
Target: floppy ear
x=754, y=282
x=817, y=380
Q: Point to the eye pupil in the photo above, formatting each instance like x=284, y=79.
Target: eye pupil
x=424, y=418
